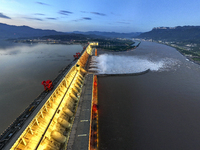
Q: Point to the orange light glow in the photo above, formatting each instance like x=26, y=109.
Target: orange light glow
x=94, y=117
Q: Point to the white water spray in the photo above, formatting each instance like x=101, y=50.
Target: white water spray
x=114, y=64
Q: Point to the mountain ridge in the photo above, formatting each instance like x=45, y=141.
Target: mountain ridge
x=178, y=33
x=12, y=32
x=110, y=34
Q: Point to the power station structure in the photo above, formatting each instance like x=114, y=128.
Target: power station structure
x=52, y=119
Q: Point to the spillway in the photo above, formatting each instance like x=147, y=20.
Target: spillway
x=49, y=121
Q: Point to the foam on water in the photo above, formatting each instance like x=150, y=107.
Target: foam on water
x=114, y=64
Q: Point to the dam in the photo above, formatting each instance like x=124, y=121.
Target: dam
x=56, y=118
x=156, y=110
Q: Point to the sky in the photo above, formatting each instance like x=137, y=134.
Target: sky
x=100, y=15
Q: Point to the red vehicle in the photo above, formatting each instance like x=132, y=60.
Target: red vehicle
x=77, y=55
x=47, y=85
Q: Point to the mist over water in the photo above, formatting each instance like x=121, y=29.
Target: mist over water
x=115, y=64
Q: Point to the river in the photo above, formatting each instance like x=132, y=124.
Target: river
x=22, y=68
x=154, y=111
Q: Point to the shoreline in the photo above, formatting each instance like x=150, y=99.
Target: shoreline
x=187, y=57
x=111, y=51
x=121, y=50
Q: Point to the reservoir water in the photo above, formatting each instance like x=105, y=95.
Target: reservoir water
x=22, y=69
x=159, y=110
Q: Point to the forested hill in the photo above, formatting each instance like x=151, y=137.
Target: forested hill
x=179, y=33
x=14, y=32
x=11, y=31
x=109, y=34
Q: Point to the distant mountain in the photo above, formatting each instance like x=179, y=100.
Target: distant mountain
x=67, y=37
x=179, y=33
x=109, y=34
x=11, y=31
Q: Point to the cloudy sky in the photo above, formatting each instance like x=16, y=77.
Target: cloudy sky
x=100, y=15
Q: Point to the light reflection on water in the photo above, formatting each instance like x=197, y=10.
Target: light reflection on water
x=22, y=69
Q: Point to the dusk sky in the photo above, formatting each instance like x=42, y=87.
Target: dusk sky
x=100, y=15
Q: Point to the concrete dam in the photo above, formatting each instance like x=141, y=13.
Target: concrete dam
x=64, y=118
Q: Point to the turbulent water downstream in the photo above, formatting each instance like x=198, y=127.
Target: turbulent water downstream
x=156, y=110
x=117, y=64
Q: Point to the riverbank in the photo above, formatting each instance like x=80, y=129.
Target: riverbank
x=189, y=57
x=190, y=51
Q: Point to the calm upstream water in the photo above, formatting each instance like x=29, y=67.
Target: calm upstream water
x=159, y=110
x=22, y=69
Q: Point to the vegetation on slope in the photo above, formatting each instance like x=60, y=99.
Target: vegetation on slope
x=185, y=39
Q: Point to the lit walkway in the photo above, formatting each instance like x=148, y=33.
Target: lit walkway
x=79, y=137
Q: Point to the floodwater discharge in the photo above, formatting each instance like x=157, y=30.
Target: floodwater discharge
x=117, y=64
x=23, y=67
x=153, y=111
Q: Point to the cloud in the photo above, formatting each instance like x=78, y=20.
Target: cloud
x=97, y=13
x=4, y=16
x=77, y=20
x=87, y=18
x=39, y=14
x=123, y=22
x=64, y=12
x=84, y=18
x=38, y=19
x=84, y=11
x=52, y=18
x=42, y=3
